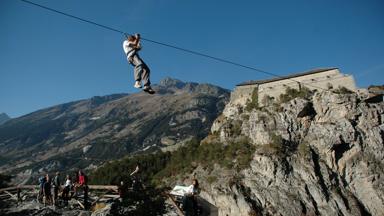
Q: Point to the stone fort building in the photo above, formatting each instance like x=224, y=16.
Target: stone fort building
x=318, y=79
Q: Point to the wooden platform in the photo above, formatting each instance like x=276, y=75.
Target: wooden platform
x=32, y=187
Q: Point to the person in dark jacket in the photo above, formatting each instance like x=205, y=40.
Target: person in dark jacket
x=47, y=191
x=40, y=195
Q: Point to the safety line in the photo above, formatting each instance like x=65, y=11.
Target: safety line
x=168, y=45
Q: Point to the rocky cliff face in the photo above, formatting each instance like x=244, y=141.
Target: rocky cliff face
x=317, y=156
x=86, y=132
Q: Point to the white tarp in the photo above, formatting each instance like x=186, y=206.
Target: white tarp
x=179, y=190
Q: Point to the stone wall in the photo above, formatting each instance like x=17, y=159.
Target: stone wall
x=241, y=94
x=319, y=81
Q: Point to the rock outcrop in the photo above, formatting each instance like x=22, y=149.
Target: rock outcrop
x=318, y=156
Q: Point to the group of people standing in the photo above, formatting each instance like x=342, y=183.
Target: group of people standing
x=50, y=189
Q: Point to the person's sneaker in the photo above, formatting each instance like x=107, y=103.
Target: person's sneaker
x=149, y=90
x=137, y=84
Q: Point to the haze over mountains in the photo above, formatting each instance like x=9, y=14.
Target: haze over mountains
x=80, y=133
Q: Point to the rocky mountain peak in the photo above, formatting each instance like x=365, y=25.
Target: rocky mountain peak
x=3, y=118
x=171, y=83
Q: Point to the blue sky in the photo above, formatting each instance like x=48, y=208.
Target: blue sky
x=48, y=59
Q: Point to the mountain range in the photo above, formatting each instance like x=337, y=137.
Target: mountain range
x=89, y=132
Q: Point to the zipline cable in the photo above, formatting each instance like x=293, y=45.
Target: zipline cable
x=145, y=39
x=168, y=45
x=72, y=16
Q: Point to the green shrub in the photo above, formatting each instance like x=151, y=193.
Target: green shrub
x=303, y=149
x=234, y=155
x=114, y=172
x=235, y=127
x=291, y=93
x=4, y=180
x=342, y=90
x=211, y=179
x=275, y=147
x=245, y=117
x=253, y=103
x=159, y=166
x=267, y=100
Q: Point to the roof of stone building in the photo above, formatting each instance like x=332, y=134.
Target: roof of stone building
x=377, y=92
x=253, y=82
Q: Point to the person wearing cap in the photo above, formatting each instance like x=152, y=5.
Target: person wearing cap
x=131, y=48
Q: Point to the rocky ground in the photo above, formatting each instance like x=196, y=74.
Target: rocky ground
x=143, y=203
x=32, y=207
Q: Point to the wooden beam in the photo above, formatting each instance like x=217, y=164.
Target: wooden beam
x=21, y=187
x=92, y=187
x=111, y=196
x=103, y=187
x=179, y=211
x=81, y=205
x=98, y=198
x=12, y=196
x=4, y=196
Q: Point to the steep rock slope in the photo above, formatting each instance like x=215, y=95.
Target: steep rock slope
x=317, y=156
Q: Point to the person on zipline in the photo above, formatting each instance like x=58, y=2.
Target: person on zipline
x=141, y=71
